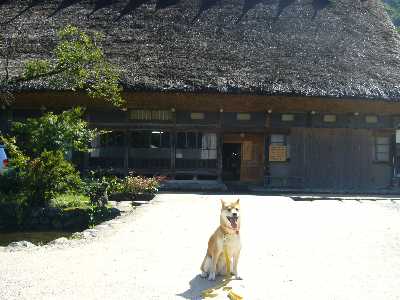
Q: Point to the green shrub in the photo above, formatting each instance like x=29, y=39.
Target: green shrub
x=10, y=182
x=40, y=179
x=94, y=178
x=13, y=207
x=96, y=189
x=65, y=132
x=50, y=175
x=116, y=185
x=20, y=199
x=70, y=201
x=141, y=185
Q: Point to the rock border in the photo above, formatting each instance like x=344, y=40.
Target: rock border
x=77, y=237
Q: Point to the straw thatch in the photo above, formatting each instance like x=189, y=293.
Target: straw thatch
x=334, y=48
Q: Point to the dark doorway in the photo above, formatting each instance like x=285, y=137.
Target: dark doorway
x=231, y=158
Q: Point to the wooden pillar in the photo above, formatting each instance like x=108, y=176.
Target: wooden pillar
x=220, y=144
x=173, y=144
x=395, y=147
x=126, y=152
x=220, y=138
x=173, y=150
x=266, y=159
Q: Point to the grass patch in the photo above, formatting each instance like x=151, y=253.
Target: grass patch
x=71, y=201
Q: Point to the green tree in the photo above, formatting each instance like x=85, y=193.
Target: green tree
x=38, y=146
x=49, y=175
x=37, y=180
x=63, y=132
x=77, y=63
x=39, y=171
x=393, y=9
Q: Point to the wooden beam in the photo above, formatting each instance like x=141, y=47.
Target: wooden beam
x=126, y=152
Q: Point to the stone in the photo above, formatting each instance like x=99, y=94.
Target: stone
x=52, y=212
x=44, y=220
x=102, y=227
x=75, y=219
x=3, y=226
x=77, y=235
x=114, y=212
x=59, y=241
x=21, y=245
x=90, y=232
x=37, y=212
x=57, y=224
x=34, y=221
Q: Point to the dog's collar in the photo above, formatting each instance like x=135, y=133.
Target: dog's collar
x=229, y=231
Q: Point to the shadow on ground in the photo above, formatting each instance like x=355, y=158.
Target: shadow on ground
x=197, y=285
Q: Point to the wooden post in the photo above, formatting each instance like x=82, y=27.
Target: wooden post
x=126, y=152
x=266, y=159
x=220, y=138
x=220, y=144
x=173, y=144
x=394, y=155
x=173, y=149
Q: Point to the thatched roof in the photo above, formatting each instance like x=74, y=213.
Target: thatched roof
x=334, y=48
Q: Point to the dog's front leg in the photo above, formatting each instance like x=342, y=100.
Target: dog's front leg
x=235, y=264
x=214, y=261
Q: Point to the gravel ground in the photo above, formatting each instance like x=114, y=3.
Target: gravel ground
x=291, y=250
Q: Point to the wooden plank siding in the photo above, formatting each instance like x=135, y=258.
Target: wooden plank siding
x=323, y=155
x=338, y=158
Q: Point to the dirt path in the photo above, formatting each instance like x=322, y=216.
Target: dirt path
x=291, y=250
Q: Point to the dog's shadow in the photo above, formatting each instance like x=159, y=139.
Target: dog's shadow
x=197, y=285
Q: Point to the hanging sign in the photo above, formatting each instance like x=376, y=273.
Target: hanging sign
x=277, y=153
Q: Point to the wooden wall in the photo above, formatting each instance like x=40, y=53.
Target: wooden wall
x=342, y=159
x=323, y=155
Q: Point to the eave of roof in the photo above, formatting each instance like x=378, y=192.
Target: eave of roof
x=283, y=47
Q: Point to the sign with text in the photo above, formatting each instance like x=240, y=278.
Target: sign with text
x=247, y=150
x=277, y=153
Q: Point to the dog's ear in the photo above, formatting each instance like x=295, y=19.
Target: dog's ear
x=222, y=203
x=238, y=201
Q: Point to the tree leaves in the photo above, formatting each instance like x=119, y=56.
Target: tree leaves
x=393, y=9
x=78, y=63
x=54, y=132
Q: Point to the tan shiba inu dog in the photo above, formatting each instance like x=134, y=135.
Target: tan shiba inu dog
x=227, y=235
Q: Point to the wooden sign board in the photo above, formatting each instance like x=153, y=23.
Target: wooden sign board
x=247, y=150
x=277, y=153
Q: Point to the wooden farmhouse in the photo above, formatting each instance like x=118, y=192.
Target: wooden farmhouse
x=280, y=93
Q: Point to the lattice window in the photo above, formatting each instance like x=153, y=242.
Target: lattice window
x=382, y=148
x=197, y=116
x=243, y=116
x=287, y=117
x=150, y=115
x=371, y=119
x=329, y=118
x=196, y=146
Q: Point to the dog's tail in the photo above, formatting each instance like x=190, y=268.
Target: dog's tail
x=205, y=266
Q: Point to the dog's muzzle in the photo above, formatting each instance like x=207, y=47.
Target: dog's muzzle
x=233, y=220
